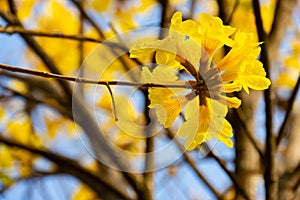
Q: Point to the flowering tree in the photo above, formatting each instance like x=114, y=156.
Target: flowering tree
x=149, y=99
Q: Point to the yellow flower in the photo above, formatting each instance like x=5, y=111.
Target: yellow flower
x=209, y=32
x=240, y=65
x=191, y=46
x=204, y=123
x=164, y=100
x=205, y=117
x=214, y=33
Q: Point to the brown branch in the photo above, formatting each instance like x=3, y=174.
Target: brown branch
x=291, y=101
x=44, y=74
x=12, y=29
x=149, y=158
x=248, y=134
x=88, y=18
x=12, y=6
x=235, y=6
x=192, y=164
x=222, y=12
x=165, y=5
x=271, y=179
x=49, y=90
x=226, y=17
x=150, y=139
x=29, y=98
x=16, y=29
x=101, y=148
x=68, y=166
x=192, y=9
x=226, y=170
x=38, y=50
x=282, y=17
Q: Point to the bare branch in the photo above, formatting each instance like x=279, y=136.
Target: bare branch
x=16, y=29
x=68, y=166
x=271, y=179
x=49, y=63
x=248, y=134
x=226, y=170
x=235, y=6
x=291, y=102
x=282, y=18
x=100, y=146
x=88, y=18
x=182, y=84
x=192, y=164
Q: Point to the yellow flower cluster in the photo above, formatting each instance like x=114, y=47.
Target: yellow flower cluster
x=192, y=46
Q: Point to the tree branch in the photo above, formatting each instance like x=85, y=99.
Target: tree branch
x=68, y=166
x=182, y=84
x=271, y=179
x=291, y=102
x=17, y=29
x=102, y=149
x=282, y=18
x=248, y=134
x=88, y=18
x=192, y=164
x=13, y=20
x=226, y=170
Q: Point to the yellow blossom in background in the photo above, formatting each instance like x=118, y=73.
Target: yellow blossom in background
x=99, y=5
x=294, y=60
x=291, y=71
x=121, y=132
x=25, y=8
x=285, y=80
x=27, y=135
x=162, y=99
x=57, y=18
x=191, y=46
x=122, y=12
x=204, y=123
x=83, y=192
x=243, y=17
x=4, y=5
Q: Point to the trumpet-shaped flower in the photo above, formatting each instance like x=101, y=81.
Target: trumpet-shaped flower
x=191, y=46
x=204, y=123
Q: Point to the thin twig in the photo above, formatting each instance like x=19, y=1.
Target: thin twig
x=235, y=6
x=81, y=48
x=88, y=18
x=192, y=9
x=12, y=6
x=69, y=166
x=91, y=129
x=248, y=134
x=178, y=84
x=16, y=29
x=222, y=12
x=33, y=100
x=39, y=51
x=291, y=102
x=192, y=164
x=227, y=171
x=113, y=101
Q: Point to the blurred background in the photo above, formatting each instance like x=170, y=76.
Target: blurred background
x=52, y=148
